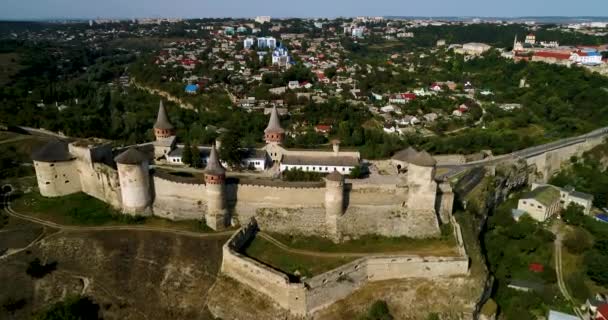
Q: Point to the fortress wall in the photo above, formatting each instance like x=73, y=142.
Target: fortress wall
x=100, y=181
x=177, y=200
x=400, y=267
x=376, y=195
x=279, y=209
x=390, y=221
x=298, y=221
x=57, y=179
x=108, y=184
x=325, y=289
x=272, y=196
x=259, y=277
x=550, y=162
x=329, y=287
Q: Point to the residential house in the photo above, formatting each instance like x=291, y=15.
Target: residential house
x=568, y=195
x=323, y=128
x=473, y=48
x=541, y=203
x=293, y=85
x=430, y=117
x=401, y=98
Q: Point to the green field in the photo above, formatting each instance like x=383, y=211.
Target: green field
x=84, y=210
x=291, y=263
x=443, y=246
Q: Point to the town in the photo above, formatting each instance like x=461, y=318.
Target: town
x=371, y=167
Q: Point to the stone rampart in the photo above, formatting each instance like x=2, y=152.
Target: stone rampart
x=57, y=179
x=100, y=181
x=325, y=289
x=264, y=279
x=178, y=200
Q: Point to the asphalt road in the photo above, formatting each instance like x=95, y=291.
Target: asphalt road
x=524, y=153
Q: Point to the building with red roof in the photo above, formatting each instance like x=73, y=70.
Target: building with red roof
x=602, y=312
x=536, y=267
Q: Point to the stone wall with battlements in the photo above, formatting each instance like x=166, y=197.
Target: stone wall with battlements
x=178, y=200
x=322, y=290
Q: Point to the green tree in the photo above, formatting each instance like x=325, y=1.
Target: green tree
x=197, y=161
x=230, y=149
x=187, y=154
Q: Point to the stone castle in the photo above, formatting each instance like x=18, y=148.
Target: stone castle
x=408, y=202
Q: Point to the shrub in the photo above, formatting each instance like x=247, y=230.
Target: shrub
x=81, y=308
x=578, y=241
x=576, y=284
x=299, y=175
x=378, y=311
x=38, y=270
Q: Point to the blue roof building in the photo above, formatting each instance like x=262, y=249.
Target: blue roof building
x=601, y=217
x=191, y=88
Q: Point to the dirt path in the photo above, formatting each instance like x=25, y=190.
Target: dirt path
x=46, y=223
x=558, y=269
x=165, y=95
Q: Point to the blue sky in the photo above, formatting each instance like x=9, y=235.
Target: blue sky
x=42, y=9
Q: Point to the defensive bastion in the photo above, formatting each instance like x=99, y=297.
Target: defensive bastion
x=310, y=295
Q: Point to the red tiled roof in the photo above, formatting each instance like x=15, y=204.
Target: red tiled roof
x=536, y=267
x=323, y=127
x=550, y=54
x=602, y=311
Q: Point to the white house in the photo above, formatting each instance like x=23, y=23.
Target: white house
x=251, y=158
x=568, y=195
x=541, y=203
x=248, y=43
x=323, y=164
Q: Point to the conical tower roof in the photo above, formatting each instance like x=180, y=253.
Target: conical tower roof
x=131, y=156
x=214, y=167
x=274, y=126
x=162, y=121
x=53, y=151
x=410, y=155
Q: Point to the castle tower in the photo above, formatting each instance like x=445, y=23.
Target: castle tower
x=419, y=170
x=215, y=180
x=334, y=202
x=164, y=133
x=134, y=177
x=163, y=128
x=56, y=170
x=274, y=133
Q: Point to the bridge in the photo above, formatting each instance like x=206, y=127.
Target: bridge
x=525, y=154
